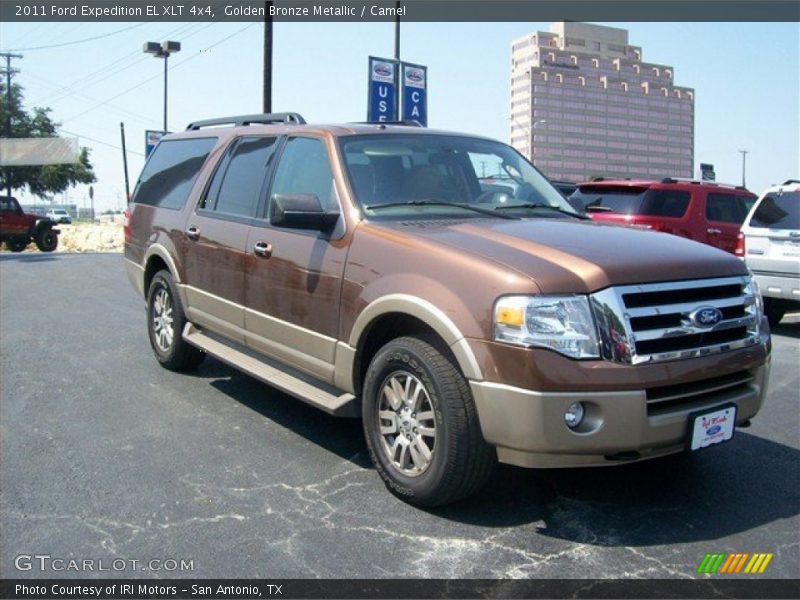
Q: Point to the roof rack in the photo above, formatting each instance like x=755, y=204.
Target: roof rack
x=263, y=119
x=700, y=182
x=409, y=123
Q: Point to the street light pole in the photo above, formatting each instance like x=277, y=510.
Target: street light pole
x=166, y=60
x=163, y=50
x=744, y=162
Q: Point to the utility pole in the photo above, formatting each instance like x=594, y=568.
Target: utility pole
x=744, y=162
x=267, y=104
x=9, y=72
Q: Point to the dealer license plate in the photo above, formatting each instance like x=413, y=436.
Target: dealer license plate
x=713, y=427
x=791, y=249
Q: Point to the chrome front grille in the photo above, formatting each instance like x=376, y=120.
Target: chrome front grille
x=676, y=320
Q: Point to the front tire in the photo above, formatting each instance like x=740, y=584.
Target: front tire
x=421, y=425
x=165, y=323
x=46, y=240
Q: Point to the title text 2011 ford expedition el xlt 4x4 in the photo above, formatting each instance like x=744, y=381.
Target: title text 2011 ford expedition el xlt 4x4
x=367, y=270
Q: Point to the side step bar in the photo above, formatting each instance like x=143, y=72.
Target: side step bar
x=344, y=405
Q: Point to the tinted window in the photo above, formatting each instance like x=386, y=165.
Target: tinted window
x=170, y=173
x=728, y=208
x=304, y=169
x=236, y=185
x=626, y=200
x=778, y=211
x=632, y=201
x=7, y=204
x=665, y=203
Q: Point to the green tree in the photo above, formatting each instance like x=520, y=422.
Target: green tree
x=40, y=180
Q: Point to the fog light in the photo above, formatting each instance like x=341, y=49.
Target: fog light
x=574, y=415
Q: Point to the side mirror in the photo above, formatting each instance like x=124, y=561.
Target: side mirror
x=301, y=211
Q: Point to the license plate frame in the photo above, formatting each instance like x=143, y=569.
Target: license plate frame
x=722, y=417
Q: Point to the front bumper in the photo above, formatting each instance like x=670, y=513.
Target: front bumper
x=528, y=428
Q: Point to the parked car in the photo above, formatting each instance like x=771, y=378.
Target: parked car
x=770, y=245
x=18, y=229
x=59, y=215
x=703, y=211
x=567, y=188
x=363, y=269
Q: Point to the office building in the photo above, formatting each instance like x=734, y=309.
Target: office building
x=584, y=104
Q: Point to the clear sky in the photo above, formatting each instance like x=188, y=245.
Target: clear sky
x=746, y=77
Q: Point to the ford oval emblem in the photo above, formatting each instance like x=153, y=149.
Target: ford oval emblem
x=713, y=430
x=383, y=69
x=706, y=316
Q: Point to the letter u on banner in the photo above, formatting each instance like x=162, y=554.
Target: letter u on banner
x=381, y=102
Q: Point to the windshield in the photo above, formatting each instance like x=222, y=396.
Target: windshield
x=431, y=176
x=778, y=211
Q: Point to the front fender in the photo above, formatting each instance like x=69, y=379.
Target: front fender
x=436, y=315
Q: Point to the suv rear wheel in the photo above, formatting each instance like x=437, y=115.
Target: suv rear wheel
x=421, y=425
x=165, y=323
x=17, y=244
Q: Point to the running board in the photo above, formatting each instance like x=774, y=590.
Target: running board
x=344, y=405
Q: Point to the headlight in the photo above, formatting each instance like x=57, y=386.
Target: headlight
x=751, y=289
x=560, y=323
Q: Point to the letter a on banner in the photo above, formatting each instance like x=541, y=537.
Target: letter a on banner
x=382, y=103
x=415, y=93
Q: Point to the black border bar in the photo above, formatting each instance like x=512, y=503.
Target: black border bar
x=756, y=588
x=106, y=11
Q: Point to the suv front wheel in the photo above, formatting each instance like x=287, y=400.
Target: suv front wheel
x=421, y=425
x=165, y=323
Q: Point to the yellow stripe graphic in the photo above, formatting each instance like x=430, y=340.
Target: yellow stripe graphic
x=751, y=563
x=741, y=562
x=757, y=563
x=767, y=558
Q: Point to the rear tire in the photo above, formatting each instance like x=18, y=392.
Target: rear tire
x=421, y=425
x=17, y=244
x=46, y=240
x=165, y=323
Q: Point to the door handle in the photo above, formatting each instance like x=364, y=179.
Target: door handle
x=193, y=233
x=263, y=249
x=713, y=230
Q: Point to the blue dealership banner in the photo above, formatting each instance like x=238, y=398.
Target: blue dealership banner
x=382, y=105
x=415, y=93
x=151, y=139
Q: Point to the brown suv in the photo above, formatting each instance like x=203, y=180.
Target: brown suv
x=369, y=271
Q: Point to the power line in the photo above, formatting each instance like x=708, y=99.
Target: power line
x=110, y=70
x=73, y=42
x=81, y=96
x=80, y=135
x=158, y=76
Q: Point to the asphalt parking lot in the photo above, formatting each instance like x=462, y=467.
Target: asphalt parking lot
x=105, y=455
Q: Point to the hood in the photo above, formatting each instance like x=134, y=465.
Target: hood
x=565, y=256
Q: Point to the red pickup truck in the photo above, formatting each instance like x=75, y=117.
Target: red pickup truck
x=18, y=229
x=706, y=212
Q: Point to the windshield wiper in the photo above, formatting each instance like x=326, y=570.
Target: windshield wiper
x=543, y=205
x=483, y=211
